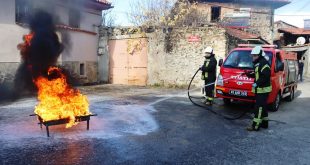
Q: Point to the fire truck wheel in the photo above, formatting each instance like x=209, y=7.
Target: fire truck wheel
x=227, y=101
x=291, y=96
x=276, y=103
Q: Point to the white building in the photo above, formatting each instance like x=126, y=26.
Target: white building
x=79, y=18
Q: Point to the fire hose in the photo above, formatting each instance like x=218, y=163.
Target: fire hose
x=208, y=108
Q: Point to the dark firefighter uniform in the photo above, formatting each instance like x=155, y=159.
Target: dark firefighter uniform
x=209, y=74
x=261, y=87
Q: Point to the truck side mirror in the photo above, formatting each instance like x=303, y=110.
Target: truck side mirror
x=220, y=62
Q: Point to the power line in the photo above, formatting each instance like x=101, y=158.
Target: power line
x=303, y=7
x=288, y=15
x=291, y=15
x=257, y=12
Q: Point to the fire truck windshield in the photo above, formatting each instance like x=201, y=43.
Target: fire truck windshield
x=242, y=59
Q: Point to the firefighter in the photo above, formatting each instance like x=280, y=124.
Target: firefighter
x=300, y=69
x=209, y=74
x=261, y=87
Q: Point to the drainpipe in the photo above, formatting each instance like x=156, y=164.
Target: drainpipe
x=272, y=25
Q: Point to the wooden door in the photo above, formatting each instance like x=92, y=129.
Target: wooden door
x=128, y=61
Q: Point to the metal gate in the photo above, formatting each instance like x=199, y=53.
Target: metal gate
x=128, y=61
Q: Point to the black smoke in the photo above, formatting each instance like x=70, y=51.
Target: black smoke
x=45, y=46
x=42, y=53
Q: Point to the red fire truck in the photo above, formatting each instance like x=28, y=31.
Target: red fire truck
x=233, y=85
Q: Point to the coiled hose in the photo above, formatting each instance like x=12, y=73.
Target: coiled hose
x=208, y=108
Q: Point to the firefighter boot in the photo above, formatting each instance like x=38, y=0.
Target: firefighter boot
x=251, y=128
x=209, y=101
x=204, y=100
x=265, y=123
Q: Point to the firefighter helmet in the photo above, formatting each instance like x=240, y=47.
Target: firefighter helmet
x=208, y=49
x=257, y=50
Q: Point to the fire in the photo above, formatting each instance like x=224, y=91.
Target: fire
x=27, y=38
x=23, y=47
x=58, y=100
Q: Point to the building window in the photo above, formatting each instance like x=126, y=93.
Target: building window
x=22, y=11
x=82, y=69
x=215, y=13
x=74, y=18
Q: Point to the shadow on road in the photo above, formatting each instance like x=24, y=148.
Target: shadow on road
x=298, y=93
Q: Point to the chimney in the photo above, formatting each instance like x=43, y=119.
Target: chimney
x=307, y=24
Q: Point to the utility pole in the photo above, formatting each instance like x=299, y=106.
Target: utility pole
x=272, y=24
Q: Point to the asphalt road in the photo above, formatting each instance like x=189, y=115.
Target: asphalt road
x=137, y=125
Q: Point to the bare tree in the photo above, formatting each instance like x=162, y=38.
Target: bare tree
x=108, y=18
x=187, y=13
x=165, y=13
x=149, y=12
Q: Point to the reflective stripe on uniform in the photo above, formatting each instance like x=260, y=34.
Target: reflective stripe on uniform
x=266, y=66
x=258, y=120
x=256, y=73
x=267, y=89
x=206, y=73
x=264, y=89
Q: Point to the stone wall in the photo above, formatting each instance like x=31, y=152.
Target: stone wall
x=90, y=71
x=260, y=17
x=233, y=42
x=261, y=23
x=279, y=38
x=8, y=70
x=307, y=62
x=172, y=59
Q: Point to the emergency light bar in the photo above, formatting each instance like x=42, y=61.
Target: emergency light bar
x=253, y=45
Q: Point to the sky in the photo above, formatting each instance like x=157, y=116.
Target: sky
x=293, y=13
x=120, y=10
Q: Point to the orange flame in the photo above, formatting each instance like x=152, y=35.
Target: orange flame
x=23, y=47
x=58, y=100
x=27, y=38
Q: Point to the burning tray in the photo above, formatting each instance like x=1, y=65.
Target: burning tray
x=62, y=121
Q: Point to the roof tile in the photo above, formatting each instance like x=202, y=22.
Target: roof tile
x=241, y=34
x=295, y=31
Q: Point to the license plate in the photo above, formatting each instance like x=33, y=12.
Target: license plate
x=238, y=93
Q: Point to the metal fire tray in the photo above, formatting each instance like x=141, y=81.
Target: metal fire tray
x=62, y=121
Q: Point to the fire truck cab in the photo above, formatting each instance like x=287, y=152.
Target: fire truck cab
x=232, y=84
